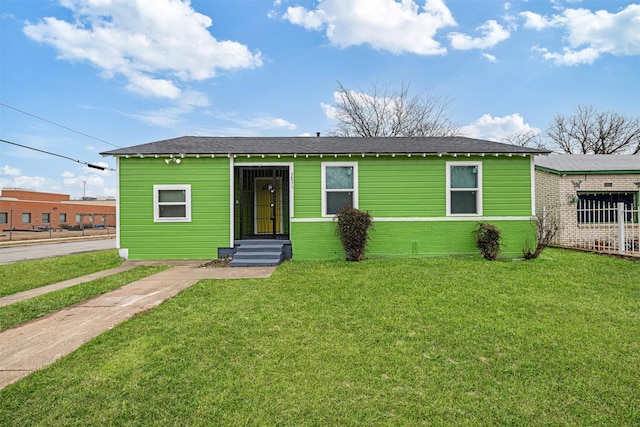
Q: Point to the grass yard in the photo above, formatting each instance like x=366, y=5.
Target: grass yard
x=23, y=311
x=553, y=341
x=26, y=275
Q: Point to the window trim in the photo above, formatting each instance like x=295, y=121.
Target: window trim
x=603, y=212
x=478, y=189
x=156, y=203
x=323, y=178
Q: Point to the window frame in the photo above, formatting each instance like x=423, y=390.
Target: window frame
x=477, y=189
x=4, y=217
x=156, y=202
x=591, y=211
x=26, y=215
x=326, y=190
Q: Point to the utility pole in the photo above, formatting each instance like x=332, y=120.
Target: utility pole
x=84, y=189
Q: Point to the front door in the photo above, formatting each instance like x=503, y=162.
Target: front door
x=261, y=196
x=268, y=205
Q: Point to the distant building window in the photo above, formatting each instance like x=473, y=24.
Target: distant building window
x=464, y=188
x=4, y=218
x=63, y=218
x=594, y=208
x=172, y=203
x=78, y=218
x=26, y=218
x=46, y=218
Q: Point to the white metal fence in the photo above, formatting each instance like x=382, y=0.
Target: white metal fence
x=597, y=226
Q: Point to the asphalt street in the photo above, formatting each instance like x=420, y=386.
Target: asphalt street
x=47, y=250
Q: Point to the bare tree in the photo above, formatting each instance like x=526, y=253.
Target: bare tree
x=589, y=131
x=386, y=112
x=526, y=139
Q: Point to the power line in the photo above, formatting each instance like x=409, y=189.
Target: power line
x=91, y=165
x=59, y=125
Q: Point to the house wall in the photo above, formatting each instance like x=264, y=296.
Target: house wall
x=557, y=193
x=406, y=197
x=199, y=239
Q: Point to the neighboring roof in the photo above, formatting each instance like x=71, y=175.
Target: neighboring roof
x=597, y=164
x=204, y=145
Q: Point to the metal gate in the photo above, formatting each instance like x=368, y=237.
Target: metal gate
x=261, y=202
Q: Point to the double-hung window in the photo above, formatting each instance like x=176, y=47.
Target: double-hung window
x=464, y=188
x=172, y=203
x=339, y=186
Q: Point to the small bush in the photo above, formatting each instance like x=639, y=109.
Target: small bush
x=353, y=229
x=547, y=224
x=488, y=240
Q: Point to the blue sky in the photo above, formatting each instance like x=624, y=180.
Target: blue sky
x=127, y=72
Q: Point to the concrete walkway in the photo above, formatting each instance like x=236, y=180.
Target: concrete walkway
x=37, y=344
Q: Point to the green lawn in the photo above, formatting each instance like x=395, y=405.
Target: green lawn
x=553, y=341
x=22, y=276
x=33, y=308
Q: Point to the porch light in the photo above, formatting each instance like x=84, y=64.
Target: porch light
x=576, y=184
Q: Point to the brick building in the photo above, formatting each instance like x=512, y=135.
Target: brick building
x=584, y=192
x=34, y=210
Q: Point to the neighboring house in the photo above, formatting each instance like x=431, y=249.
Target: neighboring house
x=22, y=209
x=583, y=191
x=204, y=197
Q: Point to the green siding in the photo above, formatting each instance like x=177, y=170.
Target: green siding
x=198, y=239
x=400, y=187
x=414, y=187
x=318, y=240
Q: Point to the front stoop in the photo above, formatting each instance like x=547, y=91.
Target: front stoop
x=252, y=253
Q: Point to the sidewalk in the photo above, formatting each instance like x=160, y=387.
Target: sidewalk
x=37, y=344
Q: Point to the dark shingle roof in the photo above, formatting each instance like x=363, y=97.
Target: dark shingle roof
x=589, y=163
x=205, y=145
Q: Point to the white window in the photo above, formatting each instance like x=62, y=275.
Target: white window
x=339, y=186
x=26, y=218
x=464, y=188
x=172, y=203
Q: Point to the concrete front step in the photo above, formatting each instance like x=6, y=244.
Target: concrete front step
x=258, y=253
x=254, y=263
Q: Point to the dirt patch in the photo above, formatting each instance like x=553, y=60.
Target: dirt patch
x=217, y=263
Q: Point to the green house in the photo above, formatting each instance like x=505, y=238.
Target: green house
x=207, y=197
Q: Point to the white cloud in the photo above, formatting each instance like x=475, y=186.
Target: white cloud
x=490, y=57
x=389, y=25
x=37, y=183
x=172, y=116
x=329, y=110
x=492, y=34
x=153, y=46
x=268, y=123
x=589, y=35
x=11, y=171
x=498, y=128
